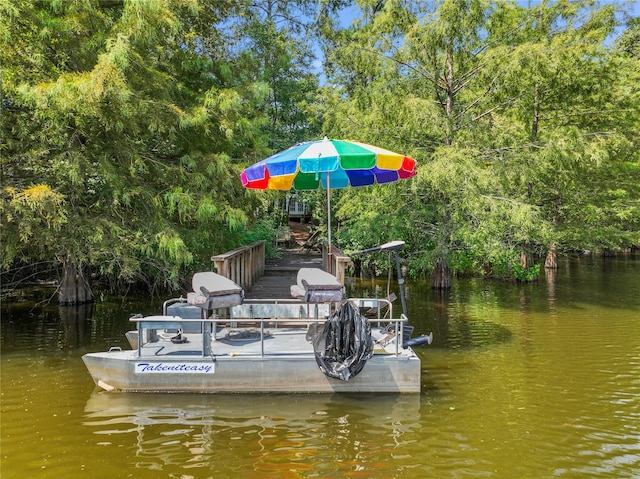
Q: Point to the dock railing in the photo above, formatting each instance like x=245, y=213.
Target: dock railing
x=335, y=263
x=244, y=266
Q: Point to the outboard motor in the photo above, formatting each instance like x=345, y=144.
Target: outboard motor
x=396, y=246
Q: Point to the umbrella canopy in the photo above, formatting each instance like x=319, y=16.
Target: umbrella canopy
x=328, y=164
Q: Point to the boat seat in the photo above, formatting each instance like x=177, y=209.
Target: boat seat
x=213, y=291
x=314, y=285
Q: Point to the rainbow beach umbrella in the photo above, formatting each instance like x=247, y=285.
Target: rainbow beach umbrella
x=328, y=164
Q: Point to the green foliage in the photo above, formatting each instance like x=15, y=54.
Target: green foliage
x=266, y=228
x=102, y=105
x=528, y=274
x=29, y=213
x=279, y=57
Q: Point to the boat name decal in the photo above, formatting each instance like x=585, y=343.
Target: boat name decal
x=174, y=368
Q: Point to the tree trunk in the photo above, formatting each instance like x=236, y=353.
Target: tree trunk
x=528, y=269
x=551, y=261
x=357, y=267
x=441, y=278
x=536, y=113
x=450, y=92
x=74, y=288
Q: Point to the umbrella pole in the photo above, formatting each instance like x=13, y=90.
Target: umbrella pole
x=329, y=252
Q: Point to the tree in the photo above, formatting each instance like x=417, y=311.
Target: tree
x=414, y=85
x=567, y=89
x=276, y=36
x=275, y=40
x=124, y=125
x=510, y=111
x=120, y=121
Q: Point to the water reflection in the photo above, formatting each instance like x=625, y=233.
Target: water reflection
x=551, y=275
x=76, y=326
x=461, y=330
x=452, y=315
x=441, y=315
x=267, y=434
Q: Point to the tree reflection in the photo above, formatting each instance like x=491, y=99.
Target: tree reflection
x=76, y=329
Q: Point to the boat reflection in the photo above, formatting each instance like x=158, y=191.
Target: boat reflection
x=254, y=432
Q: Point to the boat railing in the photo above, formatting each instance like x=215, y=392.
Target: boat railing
x=293, y=308
x=274, y=313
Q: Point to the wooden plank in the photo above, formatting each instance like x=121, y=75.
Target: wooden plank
x=272, y=287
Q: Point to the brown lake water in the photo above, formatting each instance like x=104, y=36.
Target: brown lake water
x=523, y=381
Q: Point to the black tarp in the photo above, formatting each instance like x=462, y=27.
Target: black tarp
x=343, y=344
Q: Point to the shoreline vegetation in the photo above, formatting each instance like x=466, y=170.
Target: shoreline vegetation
x=42, y=288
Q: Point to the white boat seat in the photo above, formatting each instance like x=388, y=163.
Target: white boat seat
x=317, y=286
x=213, y=291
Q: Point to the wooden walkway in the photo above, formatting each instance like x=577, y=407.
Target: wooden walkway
x=272, y=279
x=281, y=273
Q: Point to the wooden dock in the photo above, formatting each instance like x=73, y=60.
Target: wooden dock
x=271, y=279
x=281, y=273
x=262, y=279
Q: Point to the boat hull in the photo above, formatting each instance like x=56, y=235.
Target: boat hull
x=290, y=373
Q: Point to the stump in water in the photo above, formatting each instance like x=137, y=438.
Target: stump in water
x=74, y=288
x=441, y=277
x=551, y=261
